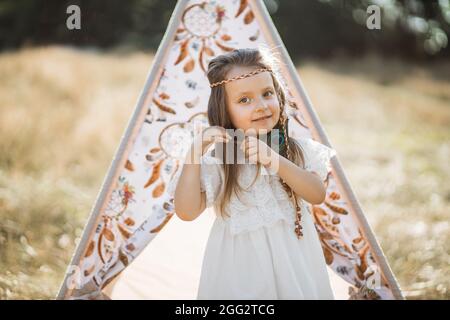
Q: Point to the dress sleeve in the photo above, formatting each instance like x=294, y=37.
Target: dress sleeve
x=172, y=185
x=211, y=178
x=317, y=156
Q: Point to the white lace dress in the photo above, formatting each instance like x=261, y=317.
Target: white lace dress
x=255, y=253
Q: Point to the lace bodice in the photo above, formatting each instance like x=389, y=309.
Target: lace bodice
x=265, y=201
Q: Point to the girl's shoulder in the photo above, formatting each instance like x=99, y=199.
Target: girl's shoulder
x=312, y=147
x=317, y=155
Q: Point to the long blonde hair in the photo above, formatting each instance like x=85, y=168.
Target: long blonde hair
x=218, y=68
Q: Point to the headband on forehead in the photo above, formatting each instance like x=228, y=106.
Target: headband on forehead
x=246, y=75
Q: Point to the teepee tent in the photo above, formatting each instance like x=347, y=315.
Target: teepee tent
x=133, y=205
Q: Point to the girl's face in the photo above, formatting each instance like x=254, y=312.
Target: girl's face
x=252, y=102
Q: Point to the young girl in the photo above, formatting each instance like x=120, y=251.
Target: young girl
x=263, y=243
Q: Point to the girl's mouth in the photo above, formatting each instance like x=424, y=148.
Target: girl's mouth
x=263, y=118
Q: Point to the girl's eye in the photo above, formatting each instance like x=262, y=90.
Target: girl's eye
x=270, y=93
x=266, y=94
x=242, y=99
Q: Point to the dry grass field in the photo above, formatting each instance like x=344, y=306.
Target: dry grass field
x=63, y=111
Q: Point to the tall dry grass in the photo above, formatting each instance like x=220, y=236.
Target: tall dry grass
x=390, y=123
x=63, y=110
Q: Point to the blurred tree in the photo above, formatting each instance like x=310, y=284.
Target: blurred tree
x=415, y=29
x=103, y=23
x=427, y=22
x=149, y=19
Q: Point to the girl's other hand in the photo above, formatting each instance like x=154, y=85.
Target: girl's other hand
x=257, y=150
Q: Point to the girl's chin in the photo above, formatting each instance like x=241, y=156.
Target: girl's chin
x=261, y=126
x=266, y=124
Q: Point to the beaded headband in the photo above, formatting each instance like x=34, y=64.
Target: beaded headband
x=246, y=75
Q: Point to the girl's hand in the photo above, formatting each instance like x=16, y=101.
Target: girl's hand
x=257, y=150
x=209, y=136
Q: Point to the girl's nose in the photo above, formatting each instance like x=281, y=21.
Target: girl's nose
x=261, y=107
